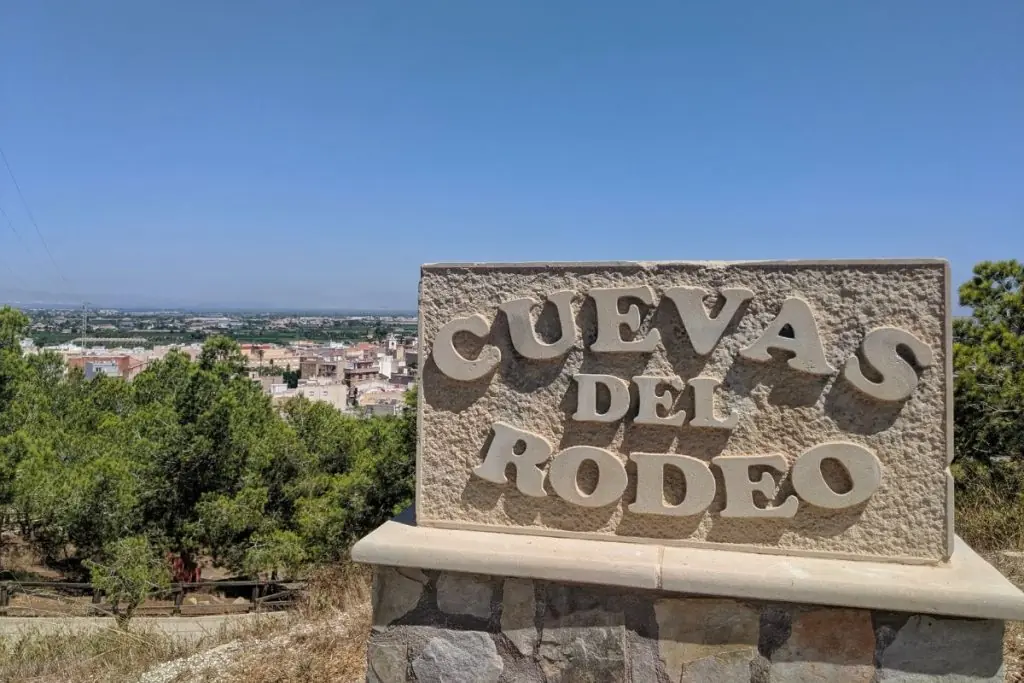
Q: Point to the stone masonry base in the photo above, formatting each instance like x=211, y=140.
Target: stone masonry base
x=442, y=626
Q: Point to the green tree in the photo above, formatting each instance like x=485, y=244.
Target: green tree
x=278, y=552
x=363, y=478
x=190, y=457
x=225, y=523
x=988, y=366
x=224, y=355
x=13, y=326
x=988, y=358
x=129, y=571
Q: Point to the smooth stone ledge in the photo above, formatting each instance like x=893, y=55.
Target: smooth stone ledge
x=966, y=586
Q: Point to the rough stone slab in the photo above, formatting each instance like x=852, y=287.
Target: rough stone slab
x=387, y=662
x=584, y=646
x=518, y=608
x=459, y=657
x=464, y=594
x=779, y=409
x=692, y=630
x=395, y=594
x=935, y=650
x=968, y=586
x=734, y=665
x=592, y=633
x=827, y=645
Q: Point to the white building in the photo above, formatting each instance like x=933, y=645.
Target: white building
x=323, y=390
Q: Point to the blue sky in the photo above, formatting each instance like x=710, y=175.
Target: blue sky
x=313, y=154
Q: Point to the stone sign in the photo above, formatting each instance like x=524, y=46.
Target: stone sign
x=784, y=407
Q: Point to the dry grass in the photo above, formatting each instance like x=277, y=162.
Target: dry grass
x=330, y=644
x=1013, y=651
x=323, y=640
x=990, y=518
x=990, y=522
x=107, y=655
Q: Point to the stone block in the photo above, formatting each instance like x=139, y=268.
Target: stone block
x=787, y=366
x=690, y=631
x=518, y=609
x=584, y=647
x=459, y=657
x=827, y=645
x=722, y=667
x=387, y=662
x=464, y=594
x=395, y=593
x=936, y=650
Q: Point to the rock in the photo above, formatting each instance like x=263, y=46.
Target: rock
x=459, y=657
x=394, y=595
x=827, y=645
x=584, y=647
x=642, y=658
x=414, y=573
x=190, y=600
x=518, y=606
x=464, y=594
x=239, y=601
x=724, y=666
x=692, y=630
x=387, y=662
x=934, y=650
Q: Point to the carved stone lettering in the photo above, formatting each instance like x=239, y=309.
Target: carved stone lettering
x=524, y=337
x=650, y=471
x=738, y=482
x=861, y=465
x=586, y=406
x=704, y=405
x=451, y=362
x=655, y=397
x=611, y=479
x=899, y=379
x=534, y=450
x=804, y=342
x=793, y=407
x=703, y=330
x=610, y=320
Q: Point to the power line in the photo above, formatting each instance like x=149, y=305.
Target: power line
x=10, y=224
x=31, y=217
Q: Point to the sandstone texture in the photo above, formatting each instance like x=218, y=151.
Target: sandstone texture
x=593, y=633
x=779, y=409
